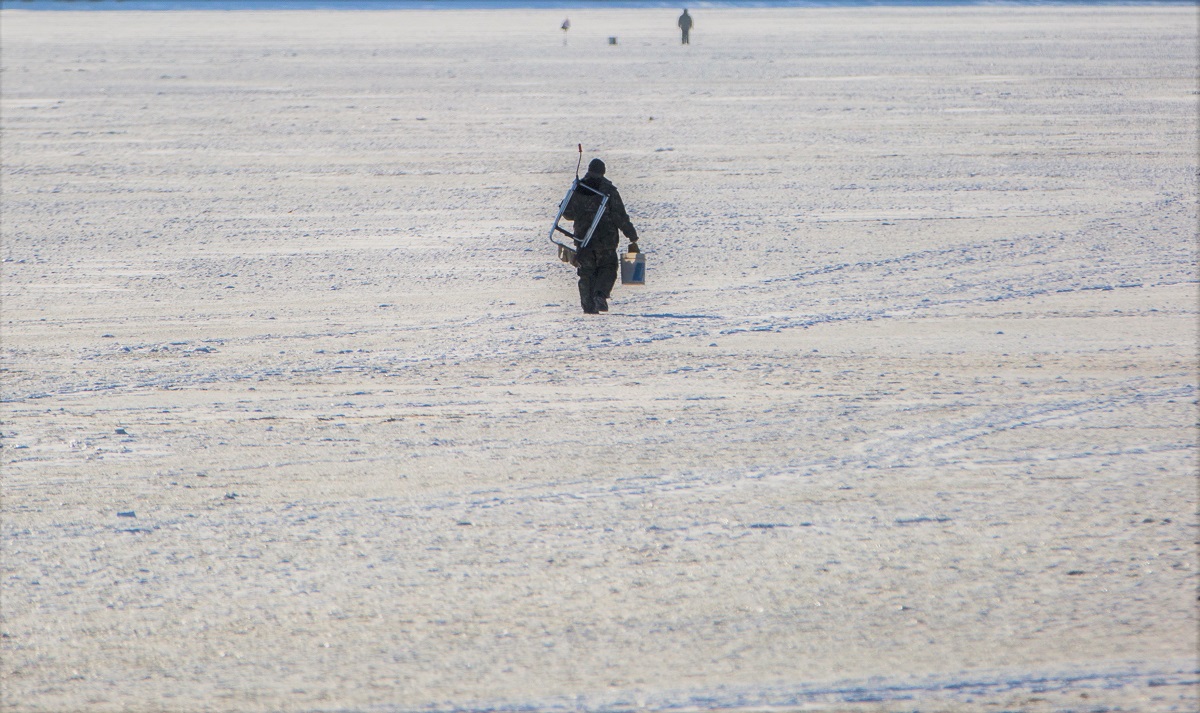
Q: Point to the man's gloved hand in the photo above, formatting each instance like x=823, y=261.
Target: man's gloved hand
x=633, y=248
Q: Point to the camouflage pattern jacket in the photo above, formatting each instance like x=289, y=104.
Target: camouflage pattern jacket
x=582, y=210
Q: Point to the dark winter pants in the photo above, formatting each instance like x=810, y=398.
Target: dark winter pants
x=685, y=37
x=597, y=275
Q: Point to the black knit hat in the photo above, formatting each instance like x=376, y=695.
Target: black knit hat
x=596, y=166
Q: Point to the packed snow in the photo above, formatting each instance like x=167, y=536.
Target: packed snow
x=301, y=412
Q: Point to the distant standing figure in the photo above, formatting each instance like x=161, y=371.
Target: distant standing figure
x=598, y=261
x=685, y=24
x=566, y=26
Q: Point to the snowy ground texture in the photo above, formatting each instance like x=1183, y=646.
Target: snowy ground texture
x=301, y=413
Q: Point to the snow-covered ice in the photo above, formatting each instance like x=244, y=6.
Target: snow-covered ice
x=301, y=413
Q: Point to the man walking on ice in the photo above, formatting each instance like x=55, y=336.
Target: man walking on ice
x=685, y=24
x=598, y=261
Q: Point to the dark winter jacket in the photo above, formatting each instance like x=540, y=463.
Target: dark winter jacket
x=582, y=210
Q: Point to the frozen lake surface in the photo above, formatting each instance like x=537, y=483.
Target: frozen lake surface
x=301, y=413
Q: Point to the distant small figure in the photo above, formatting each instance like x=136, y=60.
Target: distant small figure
x=685, y=24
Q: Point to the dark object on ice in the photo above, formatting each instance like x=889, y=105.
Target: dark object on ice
x=122, y=431
x=916, y=520
x=127, y=513
x=597, y=208
x=612, y=40
x=685, y=25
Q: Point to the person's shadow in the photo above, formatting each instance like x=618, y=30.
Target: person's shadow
x=676, y=316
